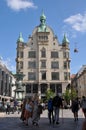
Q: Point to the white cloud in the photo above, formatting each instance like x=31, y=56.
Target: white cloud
x=20, y=4
x=68, y=31
x=8, y=64
x=77, y=22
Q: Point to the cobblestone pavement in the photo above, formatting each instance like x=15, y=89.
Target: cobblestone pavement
x=13, y=122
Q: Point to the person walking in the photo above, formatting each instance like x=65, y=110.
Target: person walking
x=75, y=108
x=37, y=111
x=23, y=110
x=28, y=110
x=50, y=110
x=57, y=103
x=8, y=107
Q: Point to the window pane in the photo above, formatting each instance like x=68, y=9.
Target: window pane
x=55, y=75
x=52, y=87
x=54, y=54
x=43, y=53
x=65, y=76
x=32, y=54
x=28, y=88
x=32, y=64
x=43, y=75
x=21, y=65
x=65, y=65
x=43, y=64
x=65, y=54
x=35, y=88
x=43, y=38
x=21, y=54
x=31, y=76
x=43, y=88
x=54, y=65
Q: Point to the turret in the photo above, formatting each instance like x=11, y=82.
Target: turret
x=65, y=41
x=20, y=39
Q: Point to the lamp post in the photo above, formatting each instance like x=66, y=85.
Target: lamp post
x=19, y=91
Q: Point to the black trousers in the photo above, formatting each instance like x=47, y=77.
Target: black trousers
x=50, y=115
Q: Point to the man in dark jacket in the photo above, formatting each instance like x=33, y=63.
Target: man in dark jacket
x=57, y=103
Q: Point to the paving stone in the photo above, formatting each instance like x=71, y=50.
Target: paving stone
x=13, y=122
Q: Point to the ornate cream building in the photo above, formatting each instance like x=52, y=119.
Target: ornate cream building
x=43, y=60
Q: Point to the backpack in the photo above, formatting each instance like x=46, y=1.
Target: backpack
x=50, y=105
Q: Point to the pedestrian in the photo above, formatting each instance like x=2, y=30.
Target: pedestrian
x=23, y=110
x=57, y=103
x=8, y=107
x=83, y=105
x=12, y=106
x=28, y=110
x=75, y=108
x=50, y=110
x=36, y=111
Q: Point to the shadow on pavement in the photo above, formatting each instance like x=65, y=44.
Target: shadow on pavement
x=14, y=123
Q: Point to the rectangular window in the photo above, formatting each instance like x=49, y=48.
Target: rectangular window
x=65, y=76
x=69, y=75
x=54, y=54
x=43, y=38
x=35, y=88
x=21, y=54
x=55, y=75
x=43, y=64
x=43, y=53
x=32, y=64
x=31, y=76
x=65, y=65
x=43, y=74
x=52, y=87
x=55, y=65
x=65, y=54
x=28, y=88
x=32, y=54
x=21, y=64
x=68, y=65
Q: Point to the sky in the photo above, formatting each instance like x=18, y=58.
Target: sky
x=63, y=16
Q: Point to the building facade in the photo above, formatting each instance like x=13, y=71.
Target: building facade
x=79, y=82
x=43, y=60
x=6, y=80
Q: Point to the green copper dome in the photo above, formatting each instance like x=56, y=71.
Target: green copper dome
x=65, y=40
x=42, y=27
x=20, y=39
x=42, y=17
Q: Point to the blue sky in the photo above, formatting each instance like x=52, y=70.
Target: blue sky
x=63, y=16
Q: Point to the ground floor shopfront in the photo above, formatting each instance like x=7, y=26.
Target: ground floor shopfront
x=41, y=88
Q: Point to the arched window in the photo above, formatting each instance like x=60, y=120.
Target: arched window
x=43, y=52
